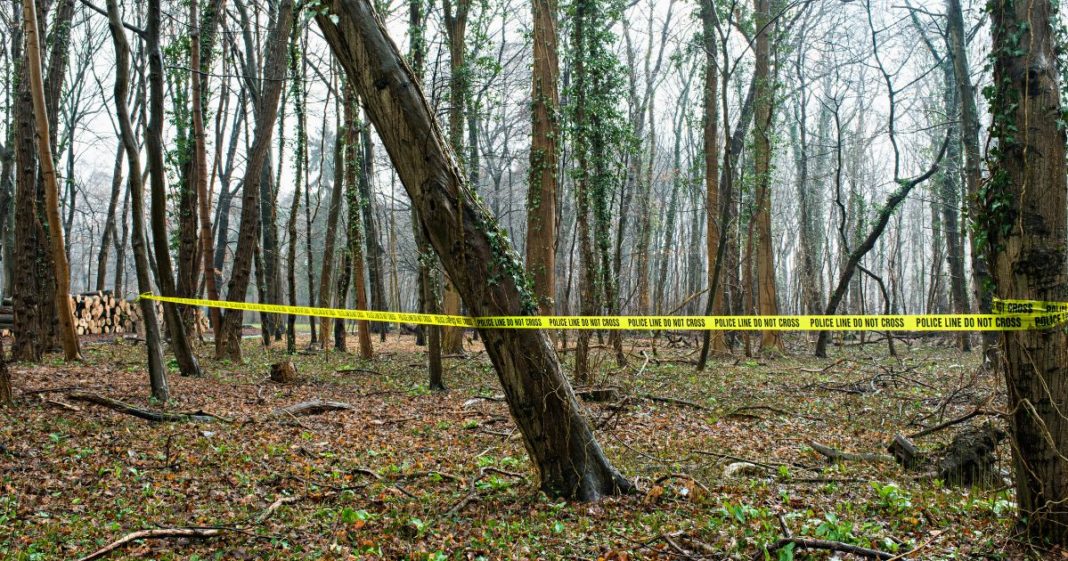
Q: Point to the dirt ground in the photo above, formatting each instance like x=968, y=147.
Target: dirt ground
x=411, y=474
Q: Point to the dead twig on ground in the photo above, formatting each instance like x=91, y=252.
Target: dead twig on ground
x=828, y=545
x=159, y=533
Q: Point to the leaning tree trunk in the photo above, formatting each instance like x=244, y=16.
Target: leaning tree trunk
x=48, y=172
x=1024, y=215
x=472, y=248
x=228, y=340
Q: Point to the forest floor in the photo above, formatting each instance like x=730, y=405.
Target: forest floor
x=412, y=474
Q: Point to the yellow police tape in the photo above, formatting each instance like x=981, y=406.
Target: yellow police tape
x=1010, y=315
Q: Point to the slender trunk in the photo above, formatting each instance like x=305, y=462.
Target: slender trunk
x=355, y=256
x=297, y=86
x=157, y=372
x=228, y=341
x=333, y=211
x=969, y=130
x=180, y=344
x=108, y=238
x=545, y=135
x=452, y=338
x=374, y=251
x=198, y=168
x=588, y=295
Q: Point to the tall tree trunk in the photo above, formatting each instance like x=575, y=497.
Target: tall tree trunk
x=452, y=338
x=768, y=300
x=353, y=153
x=333, y=211
x=588, y=294
x=180, y=344
x=544, y=142
x=969, y=130
x=569, y=461
x=297, y=87
x=374, y=251
x=157, y=373
x=198, y=168
x=228, y=340
x=34, y=323
x=950, y=203
x=713, y=201
x=428, y=285
x=1024, y=216
x=61, y=268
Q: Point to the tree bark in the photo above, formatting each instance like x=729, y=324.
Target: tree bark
x=180, y=344
x=969, y=130
x=768, y=303
x=34, y=324
x=61, y=268
x=333, y=211
x=544, y=142
x=157, y=372
x=108, y=238
x=198, y=168
x=569, y=461
x=373, y=249
x=1025, y=212
x=354, y=201
x=452, y=338
x=228, y=340
x=297, y=87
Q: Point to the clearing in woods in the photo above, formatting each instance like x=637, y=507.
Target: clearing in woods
x=407, y=473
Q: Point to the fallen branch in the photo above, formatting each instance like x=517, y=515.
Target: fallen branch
x=355, y=370
x=146, y=414
x=839, y=456
x=807, y=543
x=977, y=412
x=674, y=401
x=159, y=533
x=313, y=407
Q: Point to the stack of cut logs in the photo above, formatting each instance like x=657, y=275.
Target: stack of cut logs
x=98, y=313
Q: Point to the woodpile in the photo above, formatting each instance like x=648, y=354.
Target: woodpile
x=98, y=313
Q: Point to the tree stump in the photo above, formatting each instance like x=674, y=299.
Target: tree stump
x=970, y=459
x=283, y=372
